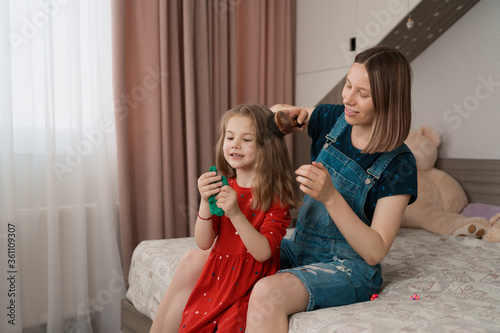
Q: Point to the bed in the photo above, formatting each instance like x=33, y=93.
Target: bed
x=456, y=279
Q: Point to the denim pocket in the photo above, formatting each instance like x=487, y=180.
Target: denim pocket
x=347, y=188
x=314, y=244
x=312, y=213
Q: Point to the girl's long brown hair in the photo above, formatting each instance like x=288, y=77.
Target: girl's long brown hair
x=390, y=78
x=274, y=174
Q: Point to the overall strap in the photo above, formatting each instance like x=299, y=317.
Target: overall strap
x=381, y=163
x=338, y=128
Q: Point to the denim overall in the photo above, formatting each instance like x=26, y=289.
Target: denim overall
x=317, y=253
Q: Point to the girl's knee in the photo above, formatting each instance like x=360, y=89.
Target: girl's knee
x=191, y=264
x=194, y=256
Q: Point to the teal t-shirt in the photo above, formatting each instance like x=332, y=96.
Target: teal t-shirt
x=400, y=176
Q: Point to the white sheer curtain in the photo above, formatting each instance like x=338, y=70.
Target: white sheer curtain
x=59, y=254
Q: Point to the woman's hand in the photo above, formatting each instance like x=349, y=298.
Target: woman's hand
x=209, y=184
x=227, y=200
x=301, y=115
x=315, y=181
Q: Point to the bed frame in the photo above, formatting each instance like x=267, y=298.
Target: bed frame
x=480, y=179
x=133, y=321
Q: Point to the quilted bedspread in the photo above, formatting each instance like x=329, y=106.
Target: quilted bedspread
x=457, y=281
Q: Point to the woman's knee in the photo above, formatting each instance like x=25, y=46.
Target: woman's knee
x=264, y=288
x=283, y=292
x=277, y=289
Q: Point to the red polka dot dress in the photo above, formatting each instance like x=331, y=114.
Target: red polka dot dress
x=219, y=301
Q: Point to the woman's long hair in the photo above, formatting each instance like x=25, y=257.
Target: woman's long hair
x=274, y=174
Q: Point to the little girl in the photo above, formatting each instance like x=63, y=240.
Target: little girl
x=247, y=238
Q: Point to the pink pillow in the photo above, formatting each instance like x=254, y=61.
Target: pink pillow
x=481, y=210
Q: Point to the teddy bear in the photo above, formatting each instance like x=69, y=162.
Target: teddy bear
x=441, y=198
x=493, y=235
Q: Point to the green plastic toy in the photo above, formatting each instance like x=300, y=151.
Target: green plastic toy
x=212, y=202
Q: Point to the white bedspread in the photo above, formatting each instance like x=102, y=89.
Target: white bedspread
x=456, y=279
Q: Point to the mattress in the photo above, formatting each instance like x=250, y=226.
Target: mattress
x=457, y=281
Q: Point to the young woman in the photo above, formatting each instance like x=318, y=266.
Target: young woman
x=256, y=214
x=357, y=188
x=361, y=179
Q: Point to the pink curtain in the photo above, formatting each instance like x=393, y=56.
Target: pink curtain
x=178, y=66
x=265, y=44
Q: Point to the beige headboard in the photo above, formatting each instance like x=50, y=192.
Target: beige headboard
x=480, y=178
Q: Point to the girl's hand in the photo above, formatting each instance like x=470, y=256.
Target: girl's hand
x=209, y=184
x=227, y=199
x=315, y=180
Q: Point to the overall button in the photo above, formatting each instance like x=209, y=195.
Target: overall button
x=325, y=145
x=368, y=181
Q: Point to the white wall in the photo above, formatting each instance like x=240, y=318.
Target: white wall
x=449, y=93
x=456, y=86
x=324, y=30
